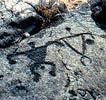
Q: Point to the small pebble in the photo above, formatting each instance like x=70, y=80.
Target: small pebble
x=26, y=34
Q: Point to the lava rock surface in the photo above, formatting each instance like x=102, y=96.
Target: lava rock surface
x=62, y=62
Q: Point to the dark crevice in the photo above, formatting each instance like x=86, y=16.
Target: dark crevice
x=67, y=81
x=21, y=88
x=89, y=41
x=68, y=29
x=53, y=71
x=72, y=93
x=36, y=77
x=1, y=77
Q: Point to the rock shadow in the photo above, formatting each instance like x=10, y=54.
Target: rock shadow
x=98, y=9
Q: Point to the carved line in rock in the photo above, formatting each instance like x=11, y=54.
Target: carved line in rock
x=57, y=42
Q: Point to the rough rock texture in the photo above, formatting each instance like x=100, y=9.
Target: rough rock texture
x=98, y=8
x=65, y=61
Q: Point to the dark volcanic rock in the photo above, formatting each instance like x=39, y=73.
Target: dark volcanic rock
x=98, y=8
x=28, y=24
x=9, y=37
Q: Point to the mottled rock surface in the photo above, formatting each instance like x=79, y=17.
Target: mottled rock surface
x=65, y=61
